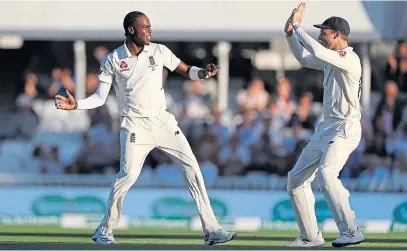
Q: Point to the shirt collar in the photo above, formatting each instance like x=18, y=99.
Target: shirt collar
x=128, y=53
x=347, y=49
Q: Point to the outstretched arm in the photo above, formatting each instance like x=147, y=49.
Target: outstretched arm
x=95, y=100
x=172, y=62
x=196, y=73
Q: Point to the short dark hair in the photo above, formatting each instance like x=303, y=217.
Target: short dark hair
x=130, y=19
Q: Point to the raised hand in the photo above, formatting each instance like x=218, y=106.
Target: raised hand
x=288, y=25
x=298, y=15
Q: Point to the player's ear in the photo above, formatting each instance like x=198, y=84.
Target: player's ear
x=131, y=30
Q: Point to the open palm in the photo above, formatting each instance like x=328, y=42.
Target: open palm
x=299, y=13
x=65, y=103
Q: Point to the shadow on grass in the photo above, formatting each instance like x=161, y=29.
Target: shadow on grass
x=79, y=246
x=181, y=237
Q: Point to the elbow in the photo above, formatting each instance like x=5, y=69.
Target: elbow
x=102, y=100
x=303, y=62
x=99, y=100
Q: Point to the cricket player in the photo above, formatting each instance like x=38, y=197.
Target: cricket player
x=135, y=70
x=335, y=138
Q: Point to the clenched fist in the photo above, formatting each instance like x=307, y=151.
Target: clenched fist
x=211, y=70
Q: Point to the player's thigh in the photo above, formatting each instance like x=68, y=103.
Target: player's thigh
x=305, y=167
x=133, y=152
x=337, y=153
x=170, y=139
x=332, y=162
x=179, y=150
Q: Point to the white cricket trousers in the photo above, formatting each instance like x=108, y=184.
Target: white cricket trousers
x=323, y=157
x=138, y=136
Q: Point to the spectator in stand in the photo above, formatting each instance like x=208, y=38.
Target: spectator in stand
x=399, y=172
x=255, y=97
x=91, y=82
x=396, y=143
x=209, y=169
x=30, y=88
x=195, y=101
x=277, y=119
x=24, y=120
x=217, y=127
x=390, y=109
x=286, y=106
x=36, y=87
x=303, y=114
x=62, y=80
x=264, y=159
x=234, y=158
x=100, y=53
x=376, y=171
x=250, y=129
x=207, y=144
x=396, y=67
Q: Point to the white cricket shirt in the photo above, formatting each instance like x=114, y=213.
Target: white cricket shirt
x=342, y=74
x=137, y=80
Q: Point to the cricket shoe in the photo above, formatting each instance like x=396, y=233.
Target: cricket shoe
x=100, y=238
x=96, y=234
x=302, y=242
x=347, y=238
x=219, y=236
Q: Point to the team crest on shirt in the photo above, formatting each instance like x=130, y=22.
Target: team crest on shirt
x=152, y=63
x=124, y=66
x=342, y=54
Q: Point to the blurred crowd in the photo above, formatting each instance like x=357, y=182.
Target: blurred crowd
x=264, y=132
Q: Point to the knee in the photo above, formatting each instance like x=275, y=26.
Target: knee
x=322, y=176
x=298, y=180
x=328, y=179
x=190, y=166
x=192, y=169
x=127, y=176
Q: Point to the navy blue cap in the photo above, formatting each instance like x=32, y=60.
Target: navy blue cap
x=337, y=24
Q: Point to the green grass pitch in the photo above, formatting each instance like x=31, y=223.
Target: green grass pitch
x=55, y=238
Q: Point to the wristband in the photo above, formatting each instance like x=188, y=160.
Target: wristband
x=196, y=73
x=296, y=25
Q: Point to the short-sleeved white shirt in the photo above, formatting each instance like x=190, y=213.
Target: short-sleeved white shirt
x=138, y=79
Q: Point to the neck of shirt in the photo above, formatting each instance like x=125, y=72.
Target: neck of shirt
x=132, y=47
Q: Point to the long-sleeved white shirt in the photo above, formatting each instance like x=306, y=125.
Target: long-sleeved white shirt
x=137, y=80
x=342, y=74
